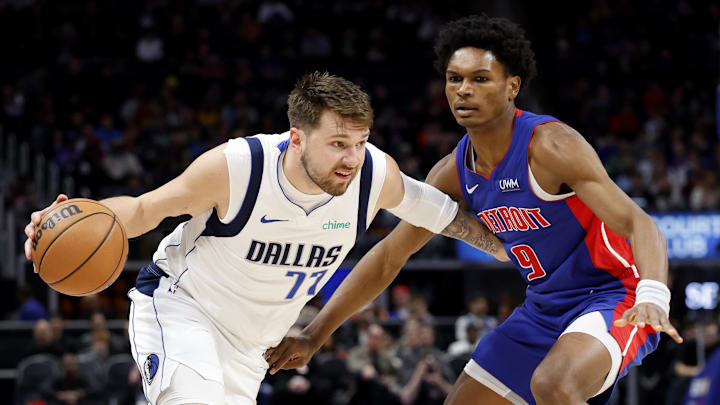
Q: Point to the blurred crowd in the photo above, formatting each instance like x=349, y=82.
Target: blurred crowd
x=122, y=95
x=640, y=80
x=401, y=356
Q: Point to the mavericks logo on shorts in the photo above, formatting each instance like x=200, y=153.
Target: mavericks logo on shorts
x=151, y=367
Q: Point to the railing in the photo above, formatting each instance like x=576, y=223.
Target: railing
x=47, y=181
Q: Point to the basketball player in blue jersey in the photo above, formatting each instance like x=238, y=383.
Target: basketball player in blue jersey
x=595, y=303
x=273, y=216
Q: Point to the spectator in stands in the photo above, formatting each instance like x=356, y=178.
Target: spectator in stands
x=462, y=348
x=93, y=359
x=107, y=132
x=418, y=309
x=274, y=11
x=705, y=387
x=149, y=48
x=134, y=394
x=30, y=308
x=401, y=302
x=315, y=44
x=705, y=195
x=121, y=162
x=372, y=365
x=477, y=315
x=374, y=357
x=43, y=341
x=329, y=375
x=354, y=331
x=423, y=375
x=687, y=364
x=58, y=330
x=98, y=325
x=88, y=157
x=70, y=388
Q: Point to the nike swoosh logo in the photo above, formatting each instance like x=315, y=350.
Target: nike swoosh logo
x=470, y=189
x=267, y=221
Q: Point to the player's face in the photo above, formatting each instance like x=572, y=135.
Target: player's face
x=335, y=152
x=477, y=87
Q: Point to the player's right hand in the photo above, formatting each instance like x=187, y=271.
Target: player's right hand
x=35, y=218
x=292, y=352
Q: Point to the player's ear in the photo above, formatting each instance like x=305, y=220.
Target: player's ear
x=297, y=138
x=514, y=83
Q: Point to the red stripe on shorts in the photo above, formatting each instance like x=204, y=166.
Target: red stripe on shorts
x=602, y=258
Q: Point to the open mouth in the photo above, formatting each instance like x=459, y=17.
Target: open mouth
x=343, y=174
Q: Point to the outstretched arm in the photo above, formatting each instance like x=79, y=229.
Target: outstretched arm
x=202, y=186
x=559, y=155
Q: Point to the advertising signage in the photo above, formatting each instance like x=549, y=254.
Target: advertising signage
x=691, y=235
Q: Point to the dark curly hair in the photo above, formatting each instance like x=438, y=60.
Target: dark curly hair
x=505, y=39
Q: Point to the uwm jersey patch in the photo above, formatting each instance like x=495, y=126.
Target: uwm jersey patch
x=560, y=247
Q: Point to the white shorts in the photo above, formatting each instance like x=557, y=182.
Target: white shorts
x=169, y=330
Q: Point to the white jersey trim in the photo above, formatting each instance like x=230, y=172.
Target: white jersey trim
x=542, y=194
x=237, y=156
x=378, y=180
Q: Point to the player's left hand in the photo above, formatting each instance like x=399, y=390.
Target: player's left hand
x=650, y=314
x=292, y=352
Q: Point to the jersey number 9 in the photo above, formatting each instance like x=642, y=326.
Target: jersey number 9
x=527, y=258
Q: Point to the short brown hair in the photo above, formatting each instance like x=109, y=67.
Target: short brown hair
x=316, y=92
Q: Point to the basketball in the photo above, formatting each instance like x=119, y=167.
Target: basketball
x=80, y=247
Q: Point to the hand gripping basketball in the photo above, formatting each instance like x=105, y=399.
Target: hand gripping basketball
x=78, y=246
x=35, y=218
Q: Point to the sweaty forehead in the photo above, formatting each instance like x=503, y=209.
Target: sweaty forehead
x=470, y=59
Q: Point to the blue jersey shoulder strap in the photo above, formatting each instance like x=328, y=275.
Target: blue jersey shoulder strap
x=460, y=153
x=365, y=185
x=213, y=226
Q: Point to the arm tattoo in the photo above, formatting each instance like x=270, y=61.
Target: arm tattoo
x=471, y=231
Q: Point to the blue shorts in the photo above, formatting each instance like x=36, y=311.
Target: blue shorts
x=512, y=351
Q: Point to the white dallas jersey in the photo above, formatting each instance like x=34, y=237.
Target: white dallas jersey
x=254, y=270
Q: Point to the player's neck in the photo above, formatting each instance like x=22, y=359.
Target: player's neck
x=296, y=175
x=491, y=140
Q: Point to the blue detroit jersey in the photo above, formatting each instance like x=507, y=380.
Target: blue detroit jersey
x=572, y=262
x=548, y=241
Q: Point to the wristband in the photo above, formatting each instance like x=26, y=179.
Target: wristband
x=653, y=292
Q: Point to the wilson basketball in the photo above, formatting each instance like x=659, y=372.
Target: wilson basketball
x=80, y=247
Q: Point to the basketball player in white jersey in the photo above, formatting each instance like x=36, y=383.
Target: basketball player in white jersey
x=273, y=216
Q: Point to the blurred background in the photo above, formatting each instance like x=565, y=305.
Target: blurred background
x=101, y=98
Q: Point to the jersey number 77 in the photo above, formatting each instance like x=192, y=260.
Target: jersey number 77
x=318, y=275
